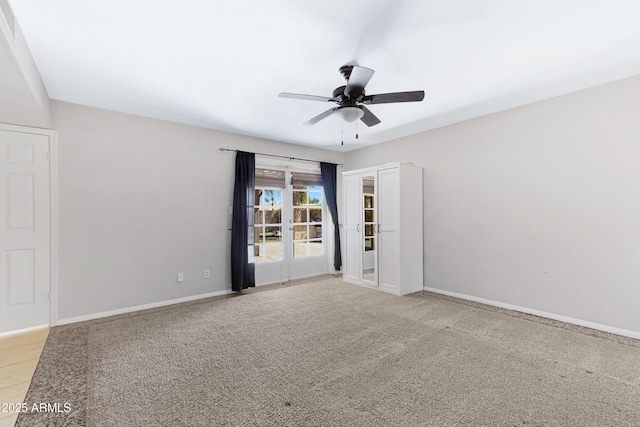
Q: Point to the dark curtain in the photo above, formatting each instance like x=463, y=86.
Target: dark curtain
x=243, y=274
x=329, y=182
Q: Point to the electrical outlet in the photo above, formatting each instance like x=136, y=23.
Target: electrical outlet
x=207, y=274
x=180, y=277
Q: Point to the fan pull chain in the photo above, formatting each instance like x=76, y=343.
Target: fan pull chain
x=342, y=132
x=356, y=129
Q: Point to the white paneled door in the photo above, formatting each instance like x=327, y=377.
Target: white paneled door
x=389, y=246
x=351, y=203
x=25, y=230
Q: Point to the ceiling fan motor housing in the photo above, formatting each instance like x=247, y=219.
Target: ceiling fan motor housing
x=347, y=100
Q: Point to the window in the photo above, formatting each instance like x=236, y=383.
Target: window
x=299, y=204
x=307, y=220
x=268, y=224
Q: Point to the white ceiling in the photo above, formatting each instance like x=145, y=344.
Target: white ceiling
x=221, y=64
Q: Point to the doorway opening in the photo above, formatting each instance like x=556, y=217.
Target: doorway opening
x=289, y=218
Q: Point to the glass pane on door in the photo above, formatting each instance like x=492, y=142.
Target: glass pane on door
x=300, y=232
x=307, y=221
x=299, y=215
x=300, y=249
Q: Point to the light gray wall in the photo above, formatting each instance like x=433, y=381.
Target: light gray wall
x=140, y=200
x=23, y=97
x=537, y=206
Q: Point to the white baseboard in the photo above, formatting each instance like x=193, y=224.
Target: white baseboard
x=22, y=331
x=579, y=322
x=290, y=280
x=94, y=316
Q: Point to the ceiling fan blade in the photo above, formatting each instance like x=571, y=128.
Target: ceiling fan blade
x=305, y=97
x=385, y=98
x=319, y=117
x=358, y=79
x=369, y=118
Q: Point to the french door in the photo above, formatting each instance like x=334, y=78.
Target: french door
x=289, y=221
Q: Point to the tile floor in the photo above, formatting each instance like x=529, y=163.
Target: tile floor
x=19, y=357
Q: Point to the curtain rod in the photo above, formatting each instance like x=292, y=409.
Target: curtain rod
x=284, y=157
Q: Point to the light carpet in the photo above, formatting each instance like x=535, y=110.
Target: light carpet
x=326, y=353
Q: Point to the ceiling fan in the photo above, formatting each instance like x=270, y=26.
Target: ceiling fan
x=351, y=99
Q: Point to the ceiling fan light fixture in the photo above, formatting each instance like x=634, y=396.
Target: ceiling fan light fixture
x=349, y=114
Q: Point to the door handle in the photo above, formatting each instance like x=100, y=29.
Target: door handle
x=378, y=228
x=358, y=227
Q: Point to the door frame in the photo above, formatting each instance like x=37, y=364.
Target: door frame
x=310, y=261
x=263, y=161
x=53, y=216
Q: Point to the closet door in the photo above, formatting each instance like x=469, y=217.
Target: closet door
x=352, y=195
x=388, y=226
